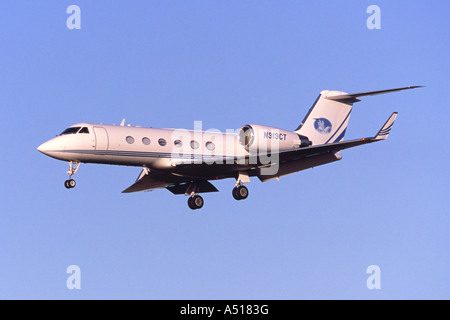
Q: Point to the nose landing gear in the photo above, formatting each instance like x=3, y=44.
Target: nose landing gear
x=69, y=184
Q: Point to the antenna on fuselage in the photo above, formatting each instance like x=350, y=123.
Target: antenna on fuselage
x=123, y=122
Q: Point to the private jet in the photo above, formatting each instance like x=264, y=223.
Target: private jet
x=185, y=161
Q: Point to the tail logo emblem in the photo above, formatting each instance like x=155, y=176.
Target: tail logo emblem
x=322, y=125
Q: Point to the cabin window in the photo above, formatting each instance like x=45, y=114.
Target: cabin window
x=210, y=146
x=84, y=130
x=146, y=141
x=178, y=143
x=130, y=139
x=162, y=142
x=194, y=144
x=71, y=130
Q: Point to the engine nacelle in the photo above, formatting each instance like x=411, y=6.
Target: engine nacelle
x=257, y=138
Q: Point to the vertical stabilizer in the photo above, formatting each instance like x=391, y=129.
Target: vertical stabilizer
x=327, y=120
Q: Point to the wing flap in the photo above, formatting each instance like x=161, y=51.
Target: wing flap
x=154, y=180
x=201, y=186
x=292, y=166
x=307, y=152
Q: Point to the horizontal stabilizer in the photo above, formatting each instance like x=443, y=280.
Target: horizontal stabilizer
x=354, y=96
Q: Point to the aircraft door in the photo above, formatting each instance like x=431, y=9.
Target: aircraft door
x=101, y=139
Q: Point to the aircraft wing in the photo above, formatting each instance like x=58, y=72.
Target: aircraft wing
x=149, y=180
x=295, y=154
x=153, y=180
x=289, y=161
x=294, y=160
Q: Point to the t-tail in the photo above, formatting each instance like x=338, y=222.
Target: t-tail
x=327, y=120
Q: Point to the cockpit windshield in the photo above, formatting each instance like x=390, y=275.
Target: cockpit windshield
x=71, y=130
x=74, y=130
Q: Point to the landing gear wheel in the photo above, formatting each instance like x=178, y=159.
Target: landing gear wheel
x=72, y=183
x=240, y=193
x=243, y=192
x=195, y=202
x=69, y=184
x=190, y=204
x=73, y=167
x=198, y=202
x=235, y=193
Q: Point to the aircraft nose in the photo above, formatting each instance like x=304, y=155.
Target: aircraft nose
x=52, y=148
x=44, y=148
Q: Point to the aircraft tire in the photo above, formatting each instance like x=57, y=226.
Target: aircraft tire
x=198, y=202
x=190, y=204
x=69, y=184
x=195, y=202
x=242, y=192
x=236, y=194
x=72, y=183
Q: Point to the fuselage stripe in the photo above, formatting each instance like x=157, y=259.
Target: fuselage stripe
x=144, y=154
x=339, y=127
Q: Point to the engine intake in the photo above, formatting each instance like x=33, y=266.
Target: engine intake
x=257, y=138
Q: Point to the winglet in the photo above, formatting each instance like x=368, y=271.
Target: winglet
x=386, y=129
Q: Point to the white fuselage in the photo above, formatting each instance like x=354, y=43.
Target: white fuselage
x=216, y=154
x=139, y=146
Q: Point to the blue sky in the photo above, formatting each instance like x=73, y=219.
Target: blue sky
x=311, y=235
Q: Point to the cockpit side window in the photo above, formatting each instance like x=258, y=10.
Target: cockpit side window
x=84, y=130
x=71, y=130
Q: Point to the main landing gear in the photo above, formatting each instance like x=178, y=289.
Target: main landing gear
x=195, y=202
x=69, y=184
x=240, y=192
